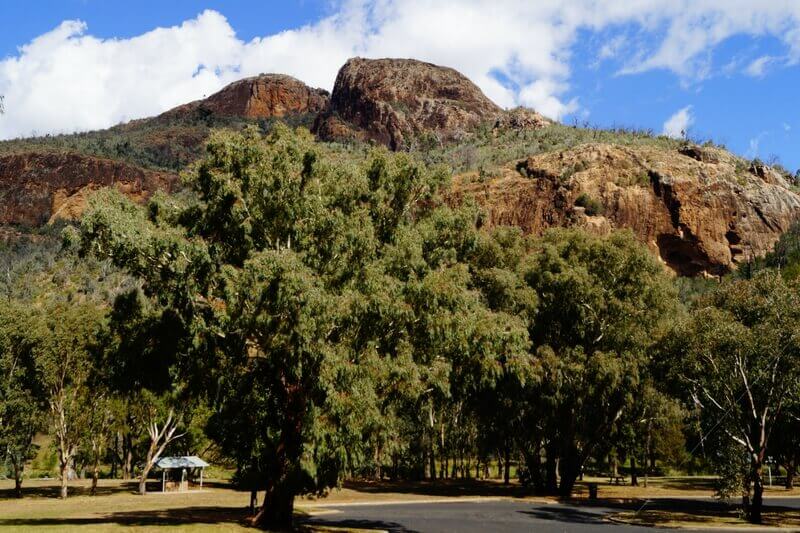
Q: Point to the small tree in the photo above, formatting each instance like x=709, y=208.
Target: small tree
x=97, y=421
x=65, y=334
x=162, y=422
x=20, y=398
x=739, y=358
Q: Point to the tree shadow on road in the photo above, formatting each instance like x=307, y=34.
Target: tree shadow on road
x=391, y=527
x=566, y=514
x=443, y=487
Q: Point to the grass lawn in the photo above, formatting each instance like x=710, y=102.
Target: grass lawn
x=665, y=487
x=709, y=518
x=117, y=507
x=220, y=508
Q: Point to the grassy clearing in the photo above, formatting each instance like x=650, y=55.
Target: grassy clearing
x=117, y=507
x=665, y=487
x=709, y=518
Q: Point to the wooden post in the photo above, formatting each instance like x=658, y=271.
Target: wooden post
x=201, y=478
x=164, y=480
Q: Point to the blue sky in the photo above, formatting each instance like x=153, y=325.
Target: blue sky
x=723, y=69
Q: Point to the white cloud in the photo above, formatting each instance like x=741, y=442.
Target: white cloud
x=612, y=47
x=786, y=126
x=67, y=79
x=755, y=144
x=757, y=68
x=678, y=124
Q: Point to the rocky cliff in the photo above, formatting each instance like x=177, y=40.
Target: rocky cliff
x=264, y=96
x=39, y=187
x=702, y=210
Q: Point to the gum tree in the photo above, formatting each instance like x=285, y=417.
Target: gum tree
x=603, y=302
x=303, y=289
x=739, y=358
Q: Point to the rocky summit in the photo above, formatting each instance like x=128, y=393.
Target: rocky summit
x=395, y=101
x=264, y=96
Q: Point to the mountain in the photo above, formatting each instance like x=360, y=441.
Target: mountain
x=701, y=209
x=259, y=97
x=392, y=101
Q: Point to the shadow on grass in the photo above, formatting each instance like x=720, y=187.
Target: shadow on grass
x=53, y=489
x=159, y=517
x=445, y=487
x=689, y=483
x=83, y=488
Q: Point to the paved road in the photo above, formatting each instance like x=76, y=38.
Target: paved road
x=478, y=517
x=498, y=516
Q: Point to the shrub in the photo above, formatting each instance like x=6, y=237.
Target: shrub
x=591, y=205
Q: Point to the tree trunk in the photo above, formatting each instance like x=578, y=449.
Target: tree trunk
x=551, y=471
x=506, y=464
x=432, y=457
x=534, y=463
x=376, y=459
x=17, y=481
x=19, y=470
x=146, y=467
x=64, y=464
x=432, y=440
x=570, y=466
x=499, y=465
x=790, y=477
x=143, y=480
x=634, y=473
x=647, y=468
x=127, y=450
x=95, y=473
x=277, y=511
x=758, y=493
x=253, y=501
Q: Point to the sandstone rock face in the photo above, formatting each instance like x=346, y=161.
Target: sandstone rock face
x=392, y=101
x=702, y=210
x=264, y=96
x=36, y=188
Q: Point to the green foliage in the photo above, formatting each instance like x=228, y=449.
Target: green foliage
x=592, y=205
x=738, y=359
x=491, y=148
x=21, y=397
x=162, y=143
x=603, y=302
x=785, y=255
x=301, y=288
